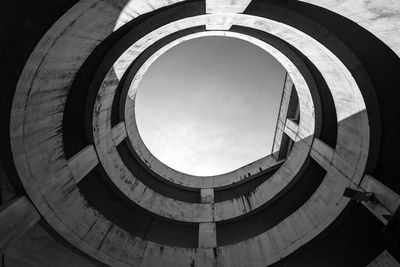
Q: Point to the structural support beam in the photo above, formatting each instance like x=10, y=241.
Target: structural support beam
x=322, y=153
x=119, y=133
x=384, y=260
x=291, y=129
x=207, y=235
x=83, y=162
x=387, y=197
x=386, y=202
x=288, y=109
x=16, y=217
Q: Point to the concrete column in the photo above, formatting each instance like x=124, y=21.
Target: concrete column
x=83, y=162
x=207, y=195
x=16, y=217
x=384, y=260
x=207, y=235
x=288, y=109
x=207, y=231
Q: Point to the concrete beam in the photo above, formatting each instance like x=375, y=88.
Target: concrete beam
x=388, y=198
x=207, y=235
x=288, y=108
x=291, y=129
x=322, y=153
x=119, y=133
x=226, y=6
x=16, y=217
x=207, y=195
x=388, y=201
x=384, y=260
x=330, y=160
x=83, y=162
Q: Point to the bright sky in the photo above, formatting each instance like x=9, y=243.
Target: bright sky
x=210, y=105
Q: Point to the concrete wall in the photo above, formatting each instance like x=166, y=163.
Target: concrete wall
x=55, y=177
x=38, y=248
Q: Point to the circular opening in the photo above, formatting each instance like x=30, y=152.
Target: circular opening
x=209, y=105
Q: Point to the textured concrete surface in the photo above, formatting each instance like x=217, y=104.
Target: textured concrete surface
x=119, y=133
x=6, y=190
x=16, y=217
x=288, y=101
x=291, y=129
x=224, y=179
x=37, y=248
x=281, y=234
x=180, y=178
x=157, y=203
x=207, y=195
x=226, y=6
x=49, y=177
x=388, y=201
x=82, y=163
x=384, y=260
x=207, y=235
x=379, y=17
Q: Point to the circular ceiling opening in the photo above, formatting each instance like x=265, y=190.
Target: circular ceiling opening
x=209, y=105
